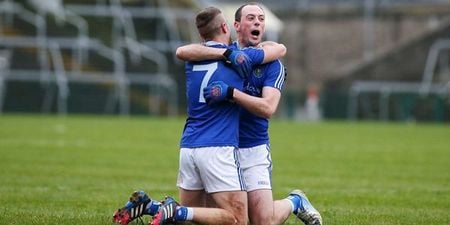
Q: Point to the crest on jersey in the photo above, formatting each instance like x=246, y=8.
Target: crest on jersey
x=257, y=72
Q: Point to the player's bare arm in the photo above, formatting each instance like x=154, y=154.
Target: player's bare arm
x=272, y=51
x=198, y=52
x=264, y=106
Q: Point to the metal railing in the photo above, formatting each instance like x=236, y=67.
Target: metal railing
x=124, y=38
x=61, y=78
x=386, y=88
x=118, y=76
x=79, y=47
x=438, y=47
x=8, y=8
x=168, y=15
x=4, y=70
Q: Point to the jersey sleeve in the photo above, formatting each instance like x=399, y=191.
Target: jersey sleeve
x=276, y=75
x=255, y=54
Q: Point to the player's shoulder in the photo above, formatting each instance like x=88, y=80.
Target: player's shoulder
x=275, y=64
x=274, y=69
x=252, y=49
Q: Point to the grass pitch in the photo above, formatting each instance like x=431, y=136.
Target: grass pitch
x=79, y=169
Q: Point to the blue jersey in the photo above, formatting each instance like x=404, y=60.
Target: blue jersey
x=215, y=125
x=253, y=130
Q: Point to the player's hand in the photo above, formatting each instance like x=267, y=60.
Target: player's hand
x=239, y=61
x=217, y=91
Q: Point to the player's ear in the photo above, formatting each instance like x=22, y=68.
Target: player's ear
x=237, y=25
x=225, y=28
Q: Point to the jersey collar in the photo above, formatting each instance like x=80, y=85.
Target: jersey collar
x=214, y=43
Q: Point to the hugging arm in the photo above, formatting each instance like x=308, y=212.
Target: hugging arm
x=199, y=52
x=264, y=106
x=272, y=51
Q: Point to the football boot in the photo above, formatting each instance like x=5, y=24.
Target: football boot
x=134, y=208
x=306, y=211
x=166, y=213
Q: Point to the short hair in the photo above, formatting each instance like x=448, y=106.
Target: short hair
x=208, y=25
x=238, y=13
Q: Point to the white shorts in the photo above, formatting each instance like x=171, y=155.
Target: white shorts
x=256, y=166
x=213, y=169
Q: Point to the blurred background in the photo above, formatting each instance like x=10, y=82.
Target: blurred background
x=385, y=60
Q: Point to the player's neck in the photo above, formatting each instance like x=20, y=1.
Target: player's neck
x=222, y=40
x=242, y=43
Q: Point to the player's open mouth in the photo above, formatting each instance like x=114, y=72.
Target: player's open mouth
x=255, y=33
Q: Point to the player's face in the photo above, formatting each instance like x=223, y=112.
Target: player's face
x=250, y=29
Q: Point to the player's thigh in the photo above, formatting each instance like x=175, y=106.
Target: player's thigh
x=192, y=198
x=256, y=165
x=188, y=175
x=233, y=201
x=219, y=169
x=260, y=207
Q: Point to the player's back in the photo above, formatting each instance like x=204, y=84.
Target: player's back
x=216, y=125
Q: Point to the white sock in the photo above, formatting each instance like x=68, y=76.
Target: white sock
x=292, y=204
x=190, y=214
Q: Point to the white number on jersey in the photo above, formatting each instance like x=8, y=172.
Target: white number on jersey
x=210, y=69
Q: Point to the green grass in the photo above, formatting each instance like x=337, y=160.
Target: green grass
x=78, y=170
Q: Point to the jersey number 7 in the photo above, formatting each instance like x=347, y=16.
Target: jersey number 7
x=210, y=69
